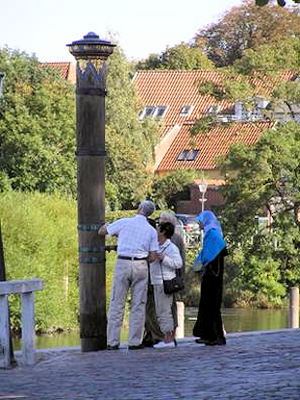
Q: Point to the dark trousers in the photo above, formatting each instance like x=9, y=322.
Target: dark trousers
x=209, y=324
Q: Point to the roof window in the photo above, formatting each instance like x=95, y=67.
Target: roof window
x=148, y=111
x=191, y=155
x=187, y=155
x=186, y=111
x=153, y=111
x=160, y=111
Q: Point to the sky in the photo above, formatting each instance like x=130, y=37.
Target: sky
x=44, y=27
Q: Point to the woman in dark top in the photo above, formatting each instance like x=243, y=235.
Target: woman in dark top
x=210, y=265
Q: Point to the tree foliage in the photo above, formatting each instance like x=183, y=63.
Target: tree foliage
x=247, y=27
x=268, y=58
x=203, y=125
x=37, y=127
x=182, y=56
x=166, y=191
x=264, y=177
x=130, y=142
x=259, y=74
x=37, y=131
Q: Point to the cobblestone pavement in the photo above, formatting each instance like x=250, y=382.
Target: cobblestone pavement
x=256, y=365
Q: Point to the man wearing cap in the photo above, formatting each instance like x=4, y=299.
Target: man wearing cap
x=137, y=240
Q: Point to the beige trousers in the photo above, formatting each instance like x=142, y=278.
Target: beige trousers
x=133, y=275
x=163, y=308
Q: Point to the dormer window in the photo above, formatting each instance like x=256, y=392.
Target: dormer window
x=186, y=111
x=160, y=111
x=187, y=155
x=148, y=111
x=153, y=111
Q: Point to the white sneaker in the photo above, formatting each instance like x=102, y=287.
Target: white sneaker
x=162, y=345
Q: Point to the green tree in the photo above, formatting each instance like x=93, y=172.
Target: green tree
x=259, y=73
x=130, y=142
x=181, y=56
x=264, y=178
x=264, y=67
x=37, y=131
x=269, y=58
x=37, y=123
x=152, y=62
x=247, y=27
x=168, y=190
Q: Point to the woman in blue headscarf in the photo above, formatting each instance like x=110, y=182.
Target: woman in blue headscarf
x=210, y=264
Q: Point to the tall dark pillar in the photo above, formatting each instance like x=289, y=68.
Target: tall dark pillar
x=91, y=54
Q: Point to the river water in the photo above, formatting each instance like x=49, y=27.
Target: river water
x=235, y=320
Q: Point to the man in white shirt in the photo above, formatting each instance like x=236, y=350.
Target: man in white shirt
x=137, y=240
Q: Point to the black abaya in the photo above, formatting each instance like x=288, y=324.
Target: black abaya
x=209, y=326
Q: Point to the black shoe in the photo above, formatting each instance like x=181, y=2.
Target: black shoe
x=109, y=347
x=148, y=344
x=175, y=342
x=140, y=346
x=217, y=342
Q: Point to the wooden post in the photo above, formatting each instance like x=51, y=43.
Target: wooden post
x=294, y=308
x=91, y=54
x=180, y=317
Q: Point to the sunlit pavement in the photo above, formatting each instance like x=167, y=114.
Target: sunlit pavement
x=253, y=365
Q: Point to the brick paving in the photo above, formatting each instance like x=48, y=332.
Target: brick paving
x=253, y=365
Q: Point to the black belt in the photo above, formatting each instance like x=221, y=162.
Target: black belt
x=131, y=258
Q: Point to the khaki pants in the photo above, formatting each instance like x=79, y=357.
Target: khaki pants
x=153, y=333
x=163, y=308
x=133, y=275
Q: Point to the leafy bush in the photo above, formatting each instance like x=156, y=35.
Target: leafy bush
x=40, y=241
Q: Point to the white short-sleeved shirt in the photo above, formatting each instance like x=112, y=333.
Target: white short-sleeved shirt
x=136, y=237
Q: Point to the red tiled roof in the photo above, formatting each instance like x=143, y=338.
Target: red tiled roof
x=66, y=70
x=210, y=146
x=177, y=88
x=265, y=84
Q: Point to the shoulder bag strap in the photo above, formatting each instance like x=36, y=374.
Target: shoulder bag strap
x=160, y=262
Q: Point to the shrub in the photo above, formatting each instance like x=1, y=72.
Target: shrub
x=40, y=241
